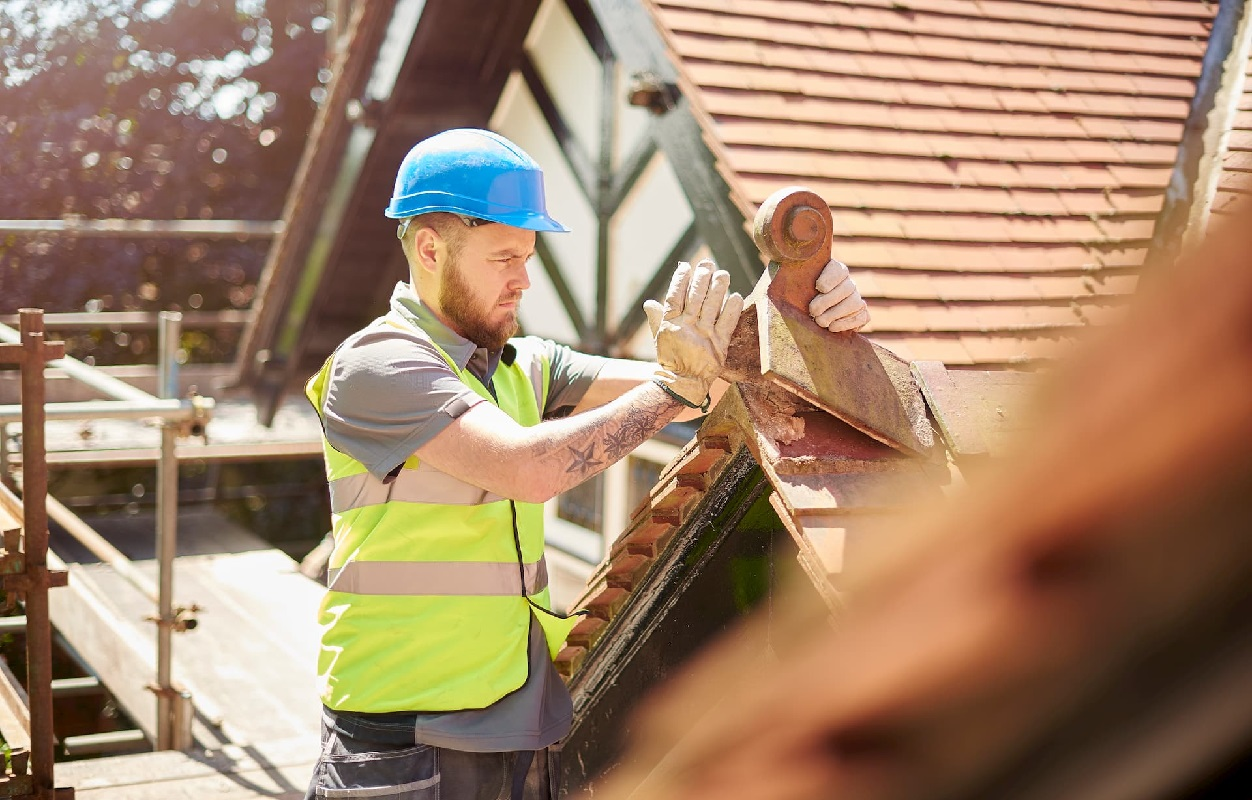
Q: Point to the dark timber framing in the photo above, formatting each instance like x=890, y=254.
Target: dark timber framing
x=681, y=251
x=638, y=47
x=552, y=267
x=625, y=177
x=576, y=156
x=605, y=188
x=604, y=216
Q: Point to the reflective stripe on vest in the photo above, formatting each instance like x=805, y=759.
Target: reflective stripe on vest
x=486, y=578
x=425, y=484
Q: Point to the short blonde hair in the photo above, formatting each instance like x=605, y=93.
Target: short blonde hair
x=449, y=228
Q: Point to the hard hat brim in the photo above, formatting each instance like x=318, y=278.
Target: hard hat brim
x=428, y=202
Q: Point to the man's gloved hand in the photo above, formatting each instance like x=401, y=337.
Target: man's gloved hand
x=692, y=329
x=838, y=305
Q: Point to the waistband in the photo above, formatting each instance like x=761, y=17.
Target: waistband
x=394, y=727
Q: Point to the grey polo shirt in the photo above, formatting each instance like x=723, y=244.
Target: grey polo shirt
x=389, y=391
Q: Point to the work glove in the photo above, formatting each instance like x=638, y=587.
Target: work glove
x=838, y=305
x=692, y=330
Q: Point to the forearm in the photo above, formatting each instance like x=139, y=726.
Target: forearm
x=620, y=375
x=486, y=447
x=560, y=454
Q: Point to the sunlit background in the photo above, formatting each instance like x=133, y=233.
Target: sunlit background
x=150, y=110
x=196, y=109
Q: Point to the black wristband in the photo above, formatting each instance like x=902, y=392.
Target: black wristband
x=704, y=407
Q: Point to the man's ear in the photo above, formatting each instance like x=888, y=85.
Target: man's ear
x=427, y=244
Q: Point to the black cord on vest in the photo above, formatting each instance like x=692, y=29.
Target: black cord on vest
x=521, y=572
x=507, y=356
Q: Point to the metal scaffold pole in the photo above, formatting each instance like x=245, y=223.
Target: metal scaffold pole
x=125, y=401
x=24, y=565
x=177, y=417
x=39, y=628
x=173, y=704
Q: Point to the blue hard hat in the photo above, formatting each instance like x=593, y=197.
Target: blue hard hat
x=476, y=173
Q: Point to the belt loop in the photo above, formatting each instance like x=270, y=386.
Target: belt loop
x=328, y=742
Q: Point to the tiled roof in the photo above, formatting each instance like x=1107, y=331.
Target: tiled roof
x=831, y=483
x=1075, y=624
x=995, y=168
x=1236, y=176
x=653, y=526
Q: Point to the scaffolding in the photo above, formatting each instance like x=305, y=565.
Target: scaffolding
x=27, y=718
x=26, y=569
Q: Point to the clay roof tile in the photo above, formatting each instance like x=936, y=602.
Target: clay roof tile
x=998, y=138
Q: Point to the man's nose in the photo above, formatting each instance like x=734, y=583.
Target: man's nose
x=521, y=277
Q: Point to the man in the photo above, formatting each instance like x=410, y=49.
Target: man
x=444, y=435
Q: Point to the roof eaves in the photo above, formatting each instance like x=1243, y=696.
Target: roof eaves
x=623, y=596
x=1198, y=168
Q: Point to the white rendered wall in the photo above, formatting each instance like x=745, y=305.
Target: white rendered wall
x=650, y=221
x=518, y=118
x=570, y=69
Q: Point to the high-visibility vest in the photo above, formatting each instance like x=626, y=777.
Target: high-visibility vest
x=424, y=609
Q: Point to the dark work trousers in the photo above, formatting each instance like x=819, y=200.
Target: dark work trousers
x=386, y=767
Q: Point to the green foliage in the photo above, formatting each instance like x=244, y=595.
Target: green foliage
x=149, y=109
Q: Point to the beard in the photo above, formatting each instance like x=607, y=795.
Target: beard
x=457, y=301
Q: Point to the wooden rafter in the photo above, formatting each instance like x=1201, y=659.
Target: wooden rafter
x=552, y=266
x=308, y=190
x=575, y=154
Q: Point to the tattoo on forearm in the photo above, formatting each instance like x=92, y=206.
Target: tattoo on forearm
x=584, y=461
x=608, y=440
x=638, y=424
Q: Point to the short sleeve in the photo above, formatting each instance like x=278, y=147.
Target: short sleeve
x=571, y=373
x=389, y=393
